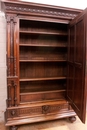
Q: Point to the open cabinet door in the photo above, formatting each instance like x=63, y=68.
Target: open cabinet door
x=76, y=81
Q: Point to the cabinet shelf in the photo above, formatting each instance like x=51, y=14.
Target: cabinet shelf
x=47, y=102
x=43, y=33
x=51, y=91
x=42, y=60
x=41, y=79
x=39, y=45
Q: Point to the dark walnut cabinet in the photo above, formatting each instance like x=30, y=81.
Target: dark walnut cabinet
x=46, y=63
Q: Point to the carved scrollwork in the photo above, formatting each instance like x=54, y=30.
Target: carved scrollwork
x=30, y=111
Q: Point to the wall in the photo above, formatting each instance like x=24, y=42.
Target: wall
x=3, y=93
x=80, y=4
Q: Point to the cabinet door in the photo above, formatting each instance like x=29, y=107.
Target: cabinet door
x=76, y=81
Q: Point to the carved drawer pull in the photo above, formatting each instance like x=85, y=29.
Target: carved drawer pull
x=45, y=109
x=13, y=112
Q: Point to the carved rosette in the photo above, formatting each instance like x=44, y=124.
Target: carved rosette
x=45, y=109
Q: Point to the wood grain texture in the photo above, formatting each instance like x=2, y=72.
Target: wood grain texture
x=77, y=64
x=37, y=57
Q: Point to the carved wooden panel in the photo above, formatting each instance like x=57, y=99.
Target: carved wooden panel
x=38, y=110
x=12, y=92
x=41, y=10
x=76, y=88
x=11, y=46
x=30, y=111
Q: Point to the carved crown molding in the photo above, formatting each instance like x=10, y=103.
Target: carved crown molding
x=41, y=10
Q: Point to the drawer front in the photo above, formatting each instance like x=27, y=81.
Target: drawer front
x=37, y=110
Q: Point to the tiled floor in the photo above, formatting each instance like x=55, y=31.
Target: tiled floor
x=62, y=124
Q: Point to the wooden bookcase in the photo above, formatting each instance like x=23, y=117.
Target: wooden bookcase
x=42, y=60
x=46, y=62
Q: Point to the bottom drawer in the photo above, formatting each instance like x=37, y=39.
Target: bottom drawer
x=39, y=109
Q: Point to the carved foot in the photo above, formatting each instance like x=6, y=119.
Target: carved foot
x=72, y=119
x=13, y=128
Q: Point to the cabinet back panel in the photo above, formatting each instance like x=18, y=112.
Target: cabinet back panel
x=41, y=26
x=39, y=86
x=36, y=97
x=42, y=70
x=42, y=53
x=51, y=40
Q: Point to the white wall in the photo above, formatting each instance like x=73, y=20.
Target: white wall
x=3, y=93
x=80, y=4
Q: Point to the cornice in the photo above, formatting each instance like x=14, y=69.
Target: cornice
x=29, y=8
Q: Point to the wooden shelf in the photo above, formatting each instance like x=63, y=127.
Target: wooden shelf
x=44, y=33
x=39, y=45
x=41, y=103
x=51, y=91
x=41, y=79
x=42, y=60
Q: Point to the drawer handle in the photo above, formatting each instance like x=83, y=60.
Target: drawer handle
x=13, y=112
x=45, y=109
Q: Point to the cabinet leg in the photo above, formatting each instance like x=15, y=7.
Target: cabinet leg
x=72, y=119
x=13, y=128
